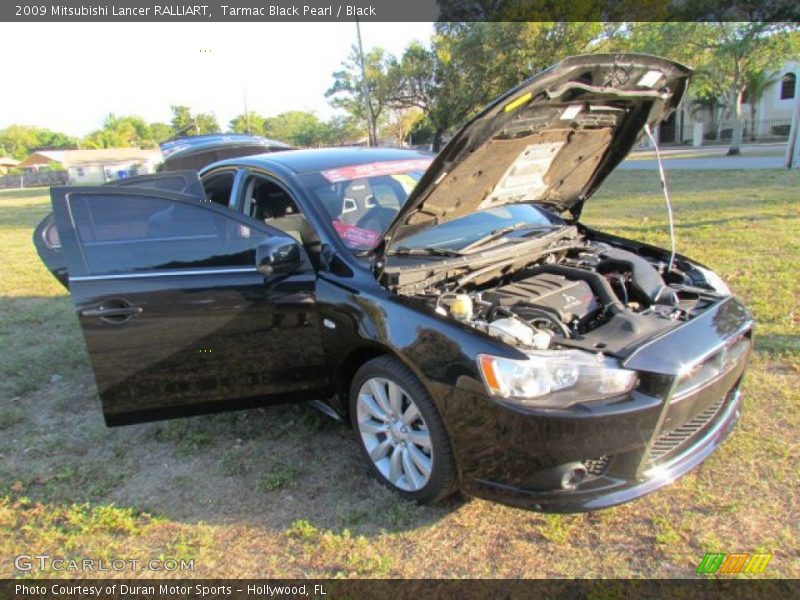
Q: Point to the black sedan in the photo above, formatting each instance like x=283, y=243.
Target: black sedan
x=454, y=309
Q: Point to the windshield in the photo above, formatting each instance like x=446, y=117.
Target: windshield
x=472, y=230
x=362, y=200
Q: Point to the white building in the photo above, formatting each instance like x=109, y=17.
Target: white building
x=96, y=166
x=773, y=114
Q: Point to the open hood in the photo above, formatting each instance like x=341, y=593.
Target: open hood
x=551, y=140
x=198, y=151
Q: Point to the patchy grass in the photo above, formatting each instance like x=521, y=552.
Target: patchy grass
x=278, y=476
x=282, y=491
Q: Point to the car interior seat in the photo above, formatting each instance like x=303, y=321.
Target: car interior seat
x=276, y=208
x=357, y=200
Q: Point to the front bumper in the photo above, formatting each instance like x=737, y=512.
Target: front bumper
x=687, y=403
x=620, y=491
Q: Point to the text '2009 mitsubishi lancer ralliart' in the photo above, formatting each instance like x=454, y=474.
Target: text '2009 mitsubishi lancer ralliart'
x=455, y=309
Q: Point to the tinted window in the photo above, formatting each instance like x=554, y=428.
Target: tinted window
x=129, y=233
x=218, y=187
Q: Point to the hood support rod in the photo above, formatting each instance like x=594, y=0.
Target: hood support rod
x=666, y=195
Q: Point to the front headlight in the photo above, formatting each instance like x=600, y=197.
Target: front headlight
x=555, y=378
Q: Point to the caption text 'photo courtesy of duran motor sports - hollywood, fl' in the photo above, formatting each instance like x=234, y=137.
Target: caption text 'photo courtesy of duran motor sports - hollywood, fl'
x=306, y=299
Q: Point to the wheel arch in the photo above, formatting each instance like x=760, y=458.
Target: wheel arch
x=355, y=359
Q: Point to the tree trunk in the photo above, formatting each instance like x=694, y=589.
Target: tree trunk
x=752, y=120
x=736, y=138
x=437, y=140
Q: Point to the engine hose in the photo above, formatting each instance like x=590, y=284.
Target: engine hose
x=599, y=284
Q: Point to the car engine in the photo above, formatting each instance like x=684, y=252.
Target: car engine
x=589, y=295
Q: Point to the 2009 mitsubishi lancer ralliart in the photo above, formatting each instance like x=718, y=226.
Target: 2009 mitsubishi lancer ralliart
x=455, y=309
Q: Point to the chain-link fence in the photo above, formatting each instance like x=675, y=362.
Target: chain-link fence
x=33, y=179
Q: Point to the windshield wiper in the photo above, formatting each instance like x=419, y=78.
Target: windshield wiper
x=424, y=251
x=503, y=231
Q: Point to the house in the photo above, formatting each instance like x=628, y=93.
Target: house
x=6, y=163
x=96, y=166
x=773, y=115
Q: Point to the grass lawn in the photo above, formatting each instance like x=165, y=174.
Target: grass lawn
x=283, y=492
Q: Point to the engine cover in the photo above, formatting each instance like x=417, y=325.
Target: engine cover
x=565, y=299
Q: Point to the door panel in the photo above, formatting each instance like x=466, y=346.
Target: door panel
x=176, y=318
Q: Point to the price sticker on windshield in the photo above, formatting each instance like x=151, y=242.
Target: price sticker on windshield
x=375, y=169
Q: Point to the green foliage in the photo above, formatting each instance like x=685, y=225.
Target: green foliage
x=348, y=87
x=18, y=141
x=296, y=127
x=248, y=122
x=185, y=123
x=121, y=132
x=466, y=64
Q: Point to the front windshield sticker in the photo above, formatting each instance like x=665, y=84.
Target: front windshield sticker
x=389, y=167
x=356, y=237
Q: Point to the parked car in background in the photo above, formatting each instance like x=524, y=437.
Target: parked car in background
x=455, y=310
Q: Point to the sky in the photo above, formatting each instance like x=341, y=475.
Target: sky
x=69, y=76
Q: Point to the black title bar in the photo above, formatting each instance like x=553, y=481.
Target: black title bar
x=400, y=10
x=399, y=589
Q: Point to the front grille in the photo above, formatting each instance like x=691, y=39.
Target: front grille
x=595, y=467
x=670, y=441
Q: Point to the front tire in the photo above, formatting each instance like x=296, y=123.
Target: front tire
x=400, y=431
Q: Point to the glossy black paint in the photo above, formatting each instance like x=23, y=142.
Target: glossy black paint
x=218, y=338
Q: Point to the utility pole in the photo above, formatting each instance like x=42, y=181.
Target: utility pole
x=246, y=114
x=372, y=136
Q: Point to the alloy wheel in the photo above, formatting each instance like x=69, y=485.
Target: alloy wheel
x=394, y=433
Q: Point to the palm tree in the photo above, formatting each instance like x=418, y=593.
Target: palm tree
x=757, y=84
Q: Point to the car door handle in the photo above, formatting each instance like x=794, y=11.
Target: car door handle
x=111, y=311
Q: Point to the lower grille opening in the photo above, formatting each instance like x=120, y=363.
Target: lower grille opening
x=670, y=442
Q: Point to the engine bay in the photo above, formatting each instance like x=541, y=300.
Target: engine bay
x=584, y=294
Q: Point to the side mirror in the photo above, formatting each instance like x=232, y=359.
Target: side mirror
x=279, y=256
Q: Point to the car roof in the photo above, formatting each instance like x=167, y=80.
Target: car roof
x=318, y=159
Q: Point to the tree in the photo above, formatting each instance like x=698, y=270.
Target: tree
x=468, y=64
x=756, y=83
x=20, y=140
x=248, y=122
x=739, y=49
x=184, y=123
x=296, y=127
x=340, y=130
x=441, y=81
x=347, y=91
x=401, y=123
x=120, y=132
x=160, y=132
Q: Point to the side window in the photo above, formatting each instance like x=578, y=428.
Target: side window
x=131, y=233
x=219, y=186
x=268, y=202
